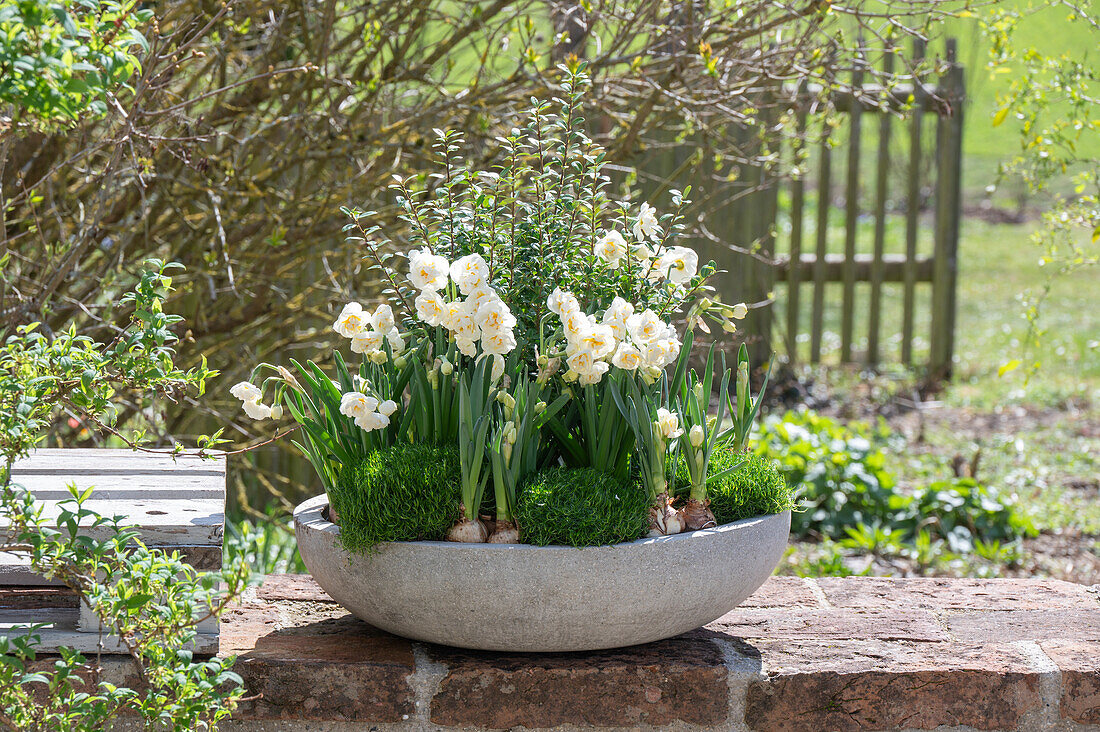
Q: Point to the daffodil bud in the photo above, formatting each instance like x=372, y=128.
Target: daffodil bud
x=729, y=326
x=740, y=310
x=506, y=452
x=378, y=357
x=570, y=376
x=276, y=411
x=399, y=362
x=433, y=379
x=706, y=304
x=542, y=361
x=698, y=390
x=742, y=386
x=540, y=407
x=510, y=433
x=507, y=400
x=446, y=367
x=697, y=435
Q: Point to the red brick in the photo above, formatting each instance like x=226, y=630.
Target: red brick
x=310, y=661
x=291, y=587
x=1015, y=625
x=784, y=592
x=1079, y=663
x=683, y=679
x=812, y=624
x=932, y=593
x=868, y=685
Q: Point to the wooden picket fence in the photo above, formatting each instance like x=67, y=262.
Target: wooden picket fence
x=763, y=246
x=939, y=269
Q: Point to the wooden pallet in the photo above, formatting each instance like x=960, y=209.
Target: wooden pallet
x=176, y=503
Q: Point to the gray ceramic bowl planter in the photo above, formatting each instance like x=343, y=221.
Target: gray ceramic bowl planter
x=518, y=597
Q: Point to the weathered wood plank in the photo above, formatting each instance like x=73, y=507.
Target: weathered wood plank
x=851, y=223
x=912, y=212
x=90, y=459
x=88, y=622
x=948, y=140
x=16, y=571
x=126, y=486
x=824, y=201
x=60, y=630
x=881, y=185
x=794, y=275
x=894, y=267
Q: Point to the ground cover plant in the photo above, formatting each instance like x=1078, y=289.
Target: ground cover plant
x=530, y=328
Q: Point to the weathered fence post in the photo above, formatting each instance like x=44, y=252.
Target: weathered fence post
x=948, y=182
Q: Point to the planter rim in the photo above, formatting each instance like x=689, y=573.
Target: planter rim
x=309, y=514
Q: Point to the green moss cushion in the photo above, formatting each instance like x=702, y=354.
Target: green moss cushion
x=580, y=507
x=403, y=493
x=754, y=489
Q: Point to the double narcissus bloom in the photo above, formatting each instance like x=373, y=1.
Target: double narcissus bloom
x=621, y=338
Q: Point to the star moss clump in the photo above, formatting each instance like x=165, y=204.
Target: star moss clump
x=581, y=507
x=756, y=488
x=408, y=492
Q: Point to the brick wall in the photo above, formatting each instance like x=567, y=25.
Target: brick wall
x=829, y=654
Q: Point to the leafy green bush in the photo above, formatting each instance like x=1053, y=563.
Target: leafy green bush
x=755, y=489
x=839, y=471
x=963, y=513
x=64, y=58
x=407, y=492
x=581, y=507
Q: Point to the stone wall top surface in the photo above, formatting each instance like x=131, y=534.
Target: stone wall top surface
x=801, y=654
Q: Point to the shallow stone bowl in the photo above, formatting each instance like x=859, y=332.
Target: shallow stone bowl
x=518, y=597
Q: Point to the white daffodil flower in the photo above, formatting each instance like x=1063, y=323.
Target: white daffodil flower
x=255, y=410
x=582, y=362
x=561, y=302
x=382, y=319
x=477, y=297
x=387, y=407
x=460, y=320
x=647, y=224
x=668, y=423
x=246, y=391
x=494, y=316
x=598, y=341
x=470, y=273
x=611, y=248
x=627, y=357
x=575, y=324
x=498, y=368
x=466, y=346
x=367, y=341
x=355, y=404
x=352, y=320
x=616, y=316
x=396, y=341
x=498, y=342
x=372, y=421
x=427, y=271
x=679, y=264
x=593, y=375
x=430, y=307
x=645, y=327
